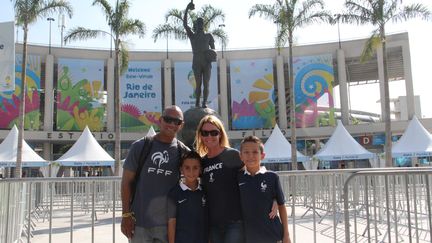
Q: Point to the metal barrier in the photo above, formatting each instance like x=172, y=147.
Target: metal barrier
x=391, y=206
x=324, y=206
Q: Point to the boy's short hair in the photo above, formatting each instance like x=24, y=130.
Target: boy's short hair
x=253, y=139
x=190, y=155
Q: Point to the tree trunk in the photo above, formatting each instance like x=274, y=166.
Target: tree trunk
x=387, y=119
x=117, y=141
x=292, y=108
x=18, y=166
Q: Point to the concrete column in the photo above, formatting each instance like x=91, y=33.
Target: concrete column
x=223, y=96
x=167, y=83
x=283, y=121
x=48, y=104
x=110, y=95
x=381, y=79
x=343, y=88
x=409, y=87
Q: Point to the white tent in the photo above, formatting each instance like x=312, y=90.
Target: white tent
x=342, y=146
x=8, y=152
x=86, y=151
x=415, y=142
x=278, y=150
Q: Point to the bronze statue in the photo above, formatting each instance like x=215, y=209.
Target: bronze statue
x=203, y=55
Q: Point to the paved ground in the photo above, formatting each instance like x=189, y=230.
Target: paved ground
x=305, y=230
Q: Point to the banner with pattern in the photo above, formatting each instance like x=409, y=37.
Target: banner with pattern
x=185, y=86
x=141, y=96
x=80, y=95
x=7, y=55
x=314, y=103
x=10, y=100
x=252, y=94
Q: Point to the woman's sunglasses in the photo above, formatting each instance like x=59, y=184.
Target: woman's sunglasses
x=212, y=133
x=172, y=120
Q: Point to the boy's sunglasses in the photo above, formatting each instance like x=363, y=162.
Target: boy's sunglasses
x=172, y=120
x=212, y=133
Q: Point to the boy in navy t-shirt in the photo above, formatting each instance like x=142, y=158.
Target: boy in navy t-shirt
x=258, y=188
x=187, y=206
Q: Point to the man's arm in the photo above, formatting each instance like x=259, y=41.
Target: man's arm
x=128, y=219
x=171, y=230
x=185, y=22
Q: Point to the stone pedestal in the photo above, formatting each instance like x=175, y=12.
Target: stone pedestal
x=192, y=117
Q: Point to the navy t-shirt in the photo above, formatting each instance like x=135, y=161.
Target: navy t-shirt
x=189, y=208
x=257, y=194
x=220, y=185
x=159, y=174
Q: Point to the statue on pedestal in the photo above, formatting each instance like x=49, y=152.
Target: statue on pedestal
x=203, y=55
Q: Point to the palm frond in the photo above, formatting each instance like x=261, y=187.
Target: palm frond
x=413, y=11
x=106, y=8
x=80, y=33
x=56, y=6
x=370, y=47
x=132, y=26
x=124, y=57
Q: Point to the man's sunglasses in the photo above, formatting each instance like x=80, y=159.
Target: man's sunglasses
x=212, y=133
x=172, y=120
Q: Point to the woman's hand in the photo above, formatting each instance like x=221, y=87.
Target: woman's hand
x=274, y=211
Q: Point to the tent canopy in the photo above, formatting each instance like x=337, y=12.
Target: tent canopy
x=86, y=151
x=415, y=142
x=342, y=146
x=8, y=152
x=278, y=150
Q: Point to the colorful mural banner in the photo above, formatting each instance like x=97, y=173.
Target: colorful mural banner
x=141, y=96
x=10, y=100
x=252, y=94
x=314, y=105
x=185, y=86
x=7, y=56
x=80, y=95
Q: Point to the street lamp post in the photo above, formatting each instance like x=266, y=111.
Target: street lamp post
x=223, y=42
x=49, y=45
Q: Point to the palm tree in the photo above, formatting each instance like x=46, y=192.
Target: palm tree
x=120, y=26
x=290, y=15
x=213, y=20
x=26, y=13
x=378, y=13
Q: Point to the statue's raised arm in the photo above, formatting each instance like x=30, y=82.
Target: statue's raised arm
x=190, y=6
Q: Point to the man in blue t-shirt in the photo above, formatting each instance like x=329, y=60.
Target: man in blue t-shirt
x=258, y=188
x=144, y=219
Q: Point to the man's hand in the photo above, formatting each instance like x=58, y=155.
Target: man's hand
x=128, y=226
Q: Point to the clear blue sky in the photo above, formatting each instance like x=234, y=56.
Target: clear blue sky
x=246, y=33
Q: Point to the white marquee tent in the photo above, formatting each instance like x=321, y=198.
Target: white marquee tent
x=415, y=142
x=86, y=151
x=8, y=152
x=342, y=146
x=278, y=150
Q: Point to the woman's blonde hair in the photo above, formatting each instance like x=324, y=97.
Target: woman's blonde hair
x=223, y=139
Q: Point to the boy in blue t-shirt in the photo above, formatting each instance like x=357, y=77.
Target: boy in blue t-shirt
x=187, y=207
x=258, y=188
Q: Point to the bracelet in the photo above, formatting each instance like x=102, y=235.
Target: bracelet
x=127, y=215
